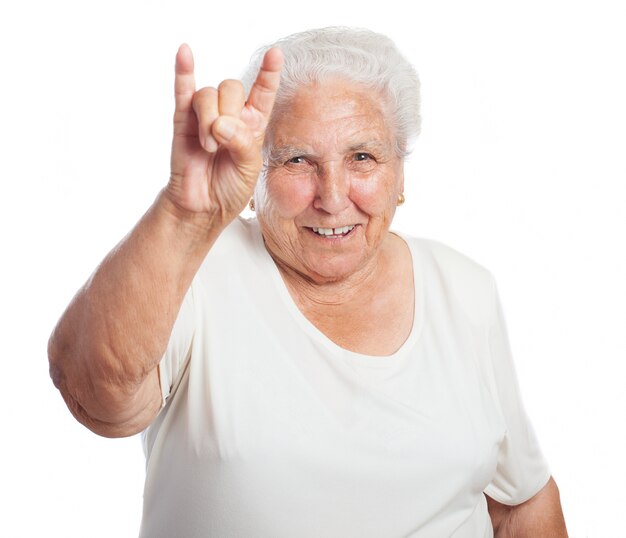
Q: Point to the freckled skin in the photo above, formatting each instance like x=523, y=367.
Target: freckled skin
x=332, y=163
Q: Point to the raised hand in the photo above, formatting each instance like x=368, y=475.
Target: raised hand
x=218, y=136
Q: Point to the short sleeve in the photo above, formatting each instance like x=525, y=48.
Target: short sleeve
x=521, y=469
x=178, y=349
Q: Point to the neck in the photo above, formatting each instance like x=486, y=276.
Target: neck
x=308, y=290
x=370, y=311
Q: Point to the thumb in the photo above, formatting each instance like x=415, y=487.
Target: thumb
x=237, y=138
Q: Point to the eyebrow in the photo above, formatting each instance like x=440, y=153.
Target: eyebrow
x=370, y=145
x=281, y=154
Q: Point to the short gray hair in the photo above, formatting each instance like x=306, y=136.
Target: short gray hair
x=357, y=55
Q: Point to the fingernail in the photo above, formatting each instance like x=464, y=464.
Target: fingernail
x=210, y=144
x=225, y=127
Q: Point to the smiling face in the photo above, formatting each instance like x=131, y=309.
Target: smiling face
x=332, y=184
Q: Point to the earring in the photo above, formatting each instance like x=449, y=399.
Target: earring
x=401, y=199
x=251, y=204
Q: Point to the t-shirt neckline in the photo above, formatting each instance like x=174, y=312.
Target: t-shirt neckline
x=359, y=359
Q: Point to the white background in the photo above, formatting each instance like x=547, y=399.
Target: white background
x=521, y=165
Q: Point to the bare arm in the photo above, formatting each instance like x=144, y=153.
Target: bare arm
x=539, y=517
x=106, y=347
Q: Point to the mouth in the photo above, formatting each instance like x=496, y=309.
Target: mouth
x=342, y=231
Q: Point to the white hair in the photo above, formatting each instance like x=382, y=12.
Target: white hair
x=357, y=55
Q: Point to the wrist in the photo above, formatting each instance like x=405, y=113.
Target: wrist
x=197, y=228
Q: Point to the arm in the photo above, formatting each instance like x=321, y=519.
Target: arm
x=539, y=517
x=106, y=347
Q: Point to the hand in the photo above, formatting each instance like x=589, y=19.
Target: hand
x=218, y=137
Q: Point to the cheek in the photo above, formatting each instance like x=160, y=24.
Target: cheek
x=288, y=195
x=376, y=195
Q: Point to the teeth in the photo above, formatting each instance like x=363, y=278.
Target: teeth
x=333, y=231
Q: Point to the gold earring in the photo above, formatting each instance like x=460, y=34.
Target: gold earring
x=401, y=199
x=251, y=204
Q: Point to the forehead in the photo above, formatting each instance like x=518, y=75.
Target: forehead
x=333, y=112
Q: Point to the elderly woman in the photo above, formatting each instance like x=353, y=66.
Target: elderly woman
x=307, y=373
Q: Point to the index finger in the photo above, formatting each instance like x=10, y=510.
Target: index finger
x=263, y=91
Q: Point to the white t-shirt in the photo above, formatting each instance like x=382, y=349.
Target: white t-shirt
x=271, y=430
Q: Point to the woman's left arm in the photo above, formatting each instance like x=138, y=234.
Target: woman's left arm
x=540, y=516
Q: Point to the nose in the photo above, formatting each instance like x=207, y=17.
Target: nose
x=333, y=188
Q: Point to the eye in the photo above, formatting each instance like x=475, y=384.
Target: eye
x=362, y=156
x=299, y=164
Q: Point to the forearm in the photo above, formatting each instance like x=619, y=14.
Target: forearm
x=106, y=348
x=115, y=330
x=539, y=517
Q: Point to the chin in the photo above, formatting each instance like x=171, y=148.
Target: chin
x=334, y=271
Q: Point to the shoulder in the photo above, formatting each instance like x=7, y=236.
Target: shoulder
x=239, y=234
x=456, y=266
x=461, y=279
x=241, y=238
x=237, y=251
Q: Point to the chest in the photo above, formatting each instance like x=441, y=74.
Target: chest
x=281, y=390
x=283, y=418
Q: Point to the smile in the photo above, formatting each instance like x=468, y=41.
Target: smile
x=333, y=232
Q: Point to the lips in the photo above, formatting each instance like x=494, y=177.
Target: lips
x=333, y=232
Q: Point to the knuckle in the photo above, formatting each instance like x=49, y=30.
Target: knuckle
x=204, y=95
x=231, y=86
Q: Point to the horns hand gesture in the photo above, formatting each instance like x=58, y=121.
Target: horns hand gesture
x=218, y=137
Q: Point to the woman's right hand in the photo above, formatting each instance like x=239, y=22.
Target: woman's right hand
x=105, y=350
x=218, y=137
